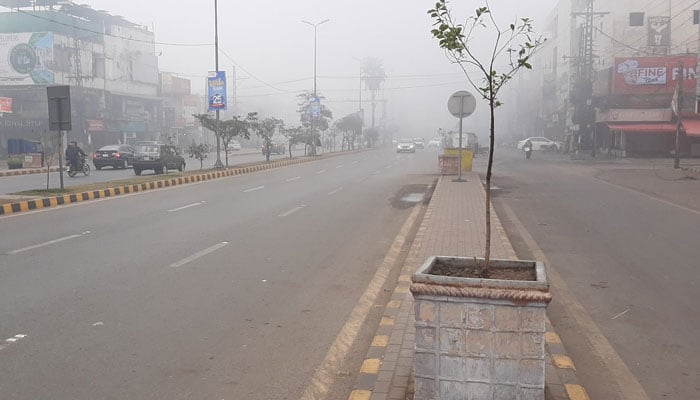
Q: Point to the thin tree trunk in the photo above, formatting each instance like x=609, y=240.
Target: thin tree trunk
x=487, y=252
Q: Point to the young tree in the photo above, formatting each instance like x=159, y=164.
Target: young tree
x=266, y=130
x=294, y=135
x=315, y=126
x=351, y=125
x=198, y=151
x=514, y=44
x=231, y=128
x=49, y=143
x=209, y=122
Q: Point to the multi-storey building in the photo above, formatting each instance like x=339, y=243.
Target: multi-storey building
x=109, y=63
x=610, y=71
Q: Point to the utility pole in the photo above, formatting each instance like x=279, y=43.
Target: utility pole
x=582, y=96
x=218, y=163
x=679, y=109
x=315, y=99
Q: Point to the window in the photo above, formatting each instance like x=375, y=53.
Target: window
x=636, y=19
x=696, y=17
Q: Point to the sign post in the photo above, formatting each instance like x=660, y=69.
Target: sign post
x=461, y=104
x=59, y=117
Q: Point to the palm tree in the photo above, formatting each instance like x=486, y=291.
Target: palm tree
x=373, y=75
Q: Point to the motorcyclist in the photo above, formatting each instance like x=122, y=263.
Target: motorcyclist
x=74, y=155
x=527, y=147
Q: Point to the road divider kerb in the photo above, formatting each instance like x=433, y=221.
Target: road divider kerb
x=28, y=171
x=59, y=200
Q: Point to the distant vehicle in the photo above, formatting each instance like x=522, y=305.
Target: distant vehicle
x=158, y=157
x=435, y=142
x=275, y=148
x=419, y=143
x=539, y=143
x=115, y=156
x=405, y=145
x=234, y=145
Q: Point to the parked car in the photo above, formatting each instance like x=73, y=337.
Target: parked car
x=539, y=143
x=115, y=156
x=419, y=143
x=405, y=146
x=158, y=157
x=233, y=145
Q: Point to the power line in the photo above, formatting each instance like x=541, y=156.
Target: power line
x=251, y=74
x=53, y=21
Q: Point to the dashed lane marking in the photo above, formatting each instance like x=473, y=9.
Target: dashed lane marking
x=199, y=203
x=254, y=189
x=321, y=171
x=50, y=242
x=292, y=211
x=198, y=254
x=294, y=179
x=340, y=165
x=335, y=191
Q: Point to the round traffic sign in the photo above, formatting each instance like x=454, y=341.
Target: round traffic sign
x=461, y=104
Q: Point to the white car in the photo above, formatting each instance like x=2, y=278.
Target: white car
x=539, y=143
x=405, y=146
x=435, y=142
x=234, y=145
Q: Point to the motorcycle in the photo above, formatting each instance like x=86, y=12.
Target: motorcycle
x=84, y=167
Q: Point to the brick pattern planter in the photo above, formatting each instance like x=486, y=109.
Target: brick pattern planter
x=479, y=338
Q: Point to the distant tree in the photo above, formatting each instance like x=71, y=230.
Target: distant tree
x=351, y=126
x=319, y=125
x=294, y=135
x=210, y=123
x=198, y=151
x=373, y=74
x=266, y=130
x=510, y=49
x=231, y=128
x=371, y=135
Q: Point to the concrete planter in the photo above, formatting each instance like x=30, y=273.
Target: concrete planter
x=479, y=338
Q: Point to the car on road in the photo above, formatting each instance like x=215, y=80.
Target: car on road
x=405, y=145
x=419, y=143
x=435, y=142
x=157, y=157
x=275, y=148
x=539, y=143
x=234, y=145
x=115, y=156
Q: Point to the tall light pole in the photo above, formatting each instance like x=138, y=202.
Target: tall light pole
x=311, y=118
x=218, y=163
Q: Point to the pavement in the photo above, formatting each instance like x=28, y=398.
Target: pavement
x=453, y=225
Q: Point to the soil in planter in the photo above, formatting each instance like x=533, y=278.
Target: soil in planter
x=457, y=268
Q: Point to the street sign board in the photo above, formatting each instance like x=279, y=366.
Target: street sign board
x=59, y=108
x=315, y=106
x=461, y=104
x=216, y=90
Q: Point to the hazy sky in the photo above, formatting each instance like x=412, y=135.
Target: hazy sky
x=273, y=51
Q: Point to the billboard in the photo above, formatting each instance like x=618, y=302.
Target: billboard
x=6, y=105
x=26, y=58
x=653, y=75
x=216, y=90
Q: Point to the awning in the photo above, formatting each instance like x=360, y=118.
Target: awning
x=647, y=127
x=692, y=127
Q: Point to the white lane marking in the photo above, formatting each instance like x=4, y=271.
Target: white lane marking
x=377, y=172
x=198, y=254
x=335, y=191
x=199, y=203
x=20, y=336
x=340, y=165
x=292, y=211
x=11, y=340
x=321, y=171
x=293, y=179
x=50, y=242
x=354, y=162
x=254, y=189
x=388, y=166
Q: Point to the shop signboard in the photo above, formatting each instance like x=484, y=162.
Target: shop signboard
x=26, y=58
x=653, y=75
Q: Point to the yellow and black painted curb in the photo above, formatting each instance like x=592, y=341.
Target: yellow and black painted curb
x=47, y=202
x=27, y=171
x=560, y=371
x=692, y=170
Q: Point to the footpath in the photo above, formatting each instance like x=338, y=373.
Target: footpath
x=453, y=225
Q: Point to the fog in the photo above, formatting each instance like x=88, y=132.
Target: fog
x=273, y=53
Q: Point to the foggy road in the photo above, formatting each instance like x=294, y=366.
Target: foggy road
x=630, y=260
x=228, y=289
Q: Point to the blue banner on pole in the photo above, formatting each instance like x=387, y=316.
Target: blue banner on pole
x=216, y=86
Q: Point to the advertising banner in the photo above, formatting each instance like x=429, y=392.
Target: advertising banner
x=653, y=75
x=25, y=58
x=216, y=90
x=5, y=105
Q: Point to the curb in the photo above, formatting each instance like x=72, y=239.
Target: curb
x=27, y=171
x=47, y=202
x=694, y=170
x=562, y=382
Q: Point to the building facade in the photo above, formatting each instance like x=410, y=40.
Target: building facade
x=109, y=63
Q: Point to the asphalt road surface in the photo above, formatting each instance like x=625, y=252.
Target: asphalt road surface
x=625, y=275
x=228, y=289
x=15, y=184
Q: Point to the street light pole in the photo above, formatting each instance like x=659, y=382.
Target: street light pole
x=311, y=119
x=218, y=163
